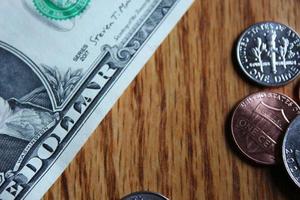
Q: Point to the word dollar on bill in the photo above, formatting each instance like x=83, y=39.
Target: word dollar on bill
x=63, y=64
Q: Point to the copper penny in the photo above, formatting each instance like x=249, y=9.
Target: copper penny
x=259, y=123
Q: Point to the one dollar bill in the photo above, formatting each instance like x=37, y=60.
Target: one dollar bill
x=63, y=64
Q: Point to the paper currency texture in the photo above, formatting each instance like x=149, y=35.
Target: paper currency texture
x=63, y=64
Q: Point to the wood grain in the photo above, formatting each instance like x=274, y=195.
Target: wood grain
x=169, y=132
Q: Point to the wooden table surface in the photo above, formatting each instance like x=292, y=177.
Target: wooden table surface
x=169, y=132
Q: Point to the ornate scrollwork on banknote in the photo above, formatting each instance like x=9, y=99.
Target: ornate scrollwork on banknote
x=52, y=83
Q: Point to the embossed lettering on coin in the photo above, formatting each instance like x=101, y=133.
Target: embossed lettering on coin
x=259, y=123
x=269, y=53
x=291, y=151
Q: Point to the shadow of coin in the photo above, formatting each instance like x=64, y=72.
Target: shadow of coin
x=281, y=180
x=296, y=92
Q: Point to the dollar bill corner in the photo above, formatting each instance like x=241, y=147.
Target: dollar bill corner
x=34, y=136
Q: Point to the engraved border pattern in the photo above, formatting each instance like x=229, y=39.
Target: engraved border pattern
x=119, y=58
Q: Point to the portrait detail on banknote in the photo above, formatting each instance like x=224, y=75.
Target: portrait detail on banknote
x=59, y=71
x=25, y=109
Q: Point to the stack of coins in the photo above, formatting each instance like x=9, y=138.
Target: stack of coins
x=266, y=125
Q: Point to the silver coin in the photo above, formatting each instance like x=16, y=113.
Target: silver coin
x=144, y=196
x=291, y=150
x=269, y=53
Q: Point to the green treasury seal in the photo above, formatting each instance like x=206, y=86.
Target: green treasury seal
x=61, y=9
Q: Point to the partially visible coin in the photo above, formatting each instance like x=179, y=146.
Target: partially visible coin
x=269, y=53
x=144, y=196
x=258, y=125
x=291, y=151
